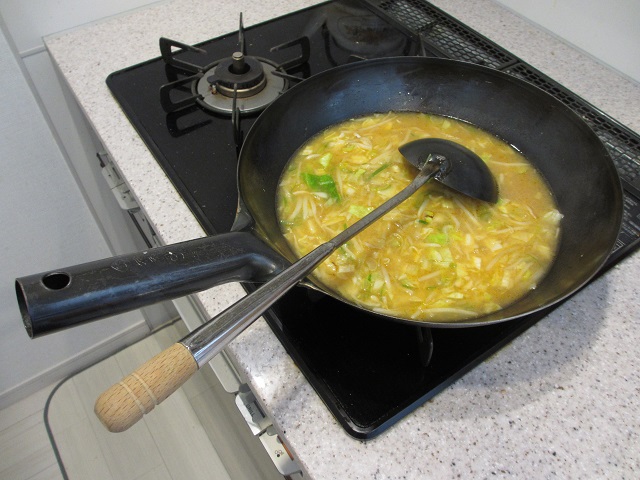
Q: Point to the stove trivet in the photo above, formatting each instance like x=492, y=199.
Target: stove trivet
x=237, y=85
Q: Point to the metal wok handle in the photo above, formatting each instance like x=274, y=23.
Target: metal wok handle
x=70, y=296
x=126, y=402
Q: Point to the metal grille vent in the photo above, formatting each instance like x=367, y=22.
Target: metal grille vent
x=445, y=33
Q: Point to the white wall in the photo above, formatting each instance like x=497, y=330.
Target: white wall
x=608, y=30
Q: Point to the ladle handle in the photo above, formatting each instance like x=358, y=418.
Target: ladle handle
x=125, y=403
x=210, y=338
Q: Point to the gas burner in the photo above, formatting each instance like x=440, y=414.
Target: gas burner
x=236, y=85
x=243, y=82
x=363, y=34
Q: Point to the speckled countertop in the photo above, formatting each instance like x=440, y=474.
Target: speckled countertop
x=563, y=400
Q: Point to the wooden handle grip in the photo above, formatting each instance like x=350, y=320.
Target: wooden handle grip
x=123, y=404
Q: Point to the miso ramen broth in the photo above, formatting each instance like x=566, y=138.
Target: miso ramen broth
x=439, y=256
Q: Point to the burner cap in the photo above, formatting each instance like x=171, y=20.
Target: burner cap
x=244, y=72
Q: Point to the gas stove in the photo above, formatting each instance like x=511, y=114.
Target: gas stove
x=193, y=104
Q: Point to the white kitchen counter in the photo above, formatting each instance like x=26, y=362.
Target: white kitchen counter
x=562, y=400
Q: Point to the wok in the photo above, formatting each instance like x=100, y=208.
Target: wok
x=568, y=154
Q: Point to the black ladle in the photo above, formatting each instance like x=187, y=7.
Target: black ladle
x=126, y=402
x=469, y=174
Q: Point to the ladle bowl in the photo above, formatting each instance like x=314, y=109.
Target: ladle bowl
x=469, y=174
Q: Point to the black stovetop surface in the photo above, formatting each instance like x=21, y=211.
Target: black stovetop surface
x=369, y=372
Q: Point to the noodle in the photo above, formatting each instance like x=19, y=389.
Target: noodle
x=439, y=255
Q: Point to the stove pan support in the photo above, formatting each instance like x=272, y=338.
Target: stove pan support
x=168, y=104
x=301, y=60
x=169, y=58
x=168, y=54
x=238, y=134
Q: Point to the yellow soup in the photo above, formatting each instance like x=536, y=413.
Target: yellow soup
x=438, y=256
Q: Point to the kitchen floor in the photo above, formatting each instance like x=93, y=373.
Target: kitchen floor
x=197, y=433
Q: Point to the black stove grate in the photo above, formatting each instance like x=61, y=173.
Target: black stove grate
x=442, y=32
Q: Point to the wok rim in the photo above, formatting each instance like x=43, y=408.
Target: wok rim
x=246, y=218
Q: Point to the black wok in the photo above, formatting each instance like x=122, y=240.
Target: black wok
x=569, y=155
